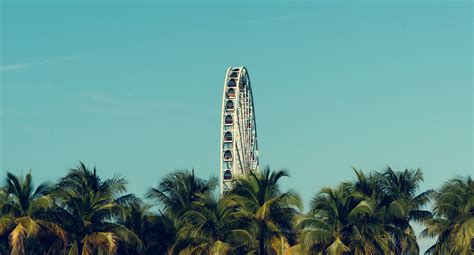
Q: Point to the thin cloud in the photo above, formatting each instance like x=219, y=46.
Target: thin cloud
x=12, y=67
x=21, y=66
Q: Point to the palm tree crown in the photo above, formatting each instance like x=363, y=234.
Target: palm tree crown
x=399, y=204
x=454, y=218
x=396, y=204
x=27, y=214
x=342, y=222
x=215, y=226
x=177, y=191
x=273, y=211
x=90, y=209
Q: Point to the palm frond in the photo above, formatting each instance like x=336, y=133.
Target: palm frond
x=17, y=239
x=105, y=240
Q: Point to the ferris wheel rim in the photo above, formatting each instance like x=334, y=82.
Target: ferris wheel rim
x=239, y=142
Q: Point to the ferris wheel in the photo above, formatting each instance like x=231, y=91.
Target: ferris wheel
x=239, y=147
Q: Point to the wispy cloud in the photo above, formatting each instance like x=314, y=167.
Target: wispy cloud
x=20, y=66
x=99, y=97
x=12, y=67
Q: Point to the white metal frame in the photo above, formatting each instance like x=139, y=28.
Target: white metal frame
x=243, y=129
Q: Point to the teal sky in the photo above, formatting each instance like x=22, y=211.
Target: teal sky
x=136, y=87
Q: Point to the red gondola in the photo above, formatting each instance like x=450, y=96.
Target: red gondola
x=230, y=93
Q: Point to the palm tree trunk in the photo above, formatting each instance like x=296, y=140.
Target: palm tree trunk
x=261, y=241
x=261, y=247
x=79, y=248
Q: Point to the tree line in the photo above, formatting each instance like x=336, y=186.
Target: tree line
x=82, y=214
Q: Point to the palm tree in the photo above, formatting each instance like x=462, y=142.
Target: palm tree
x=214, y=227
x=138, y=219
x=166, y=228
x=398, y=204
x=26, y=216
x=177, y=191
x=342, y=222
x=157, y=232
x=3, y=198
x=174, y=196
x=91, y=210
x=3, y=239
x=272, y=210
x=453, y=221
